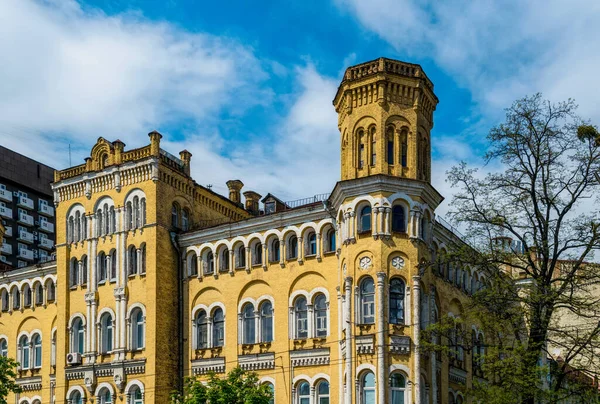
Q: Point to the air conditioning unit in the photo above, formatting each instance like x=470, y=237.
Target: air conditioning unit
x=74, y=358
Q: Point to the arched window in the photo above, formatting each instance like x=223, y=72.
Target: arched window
x=249, y=336
x=303, y=393
x=99, y=223
x=241, y=257
x=3, y=348
x=210, y=262
x=311, y=244
x=257, y=254
x=16, y=298
x=184, y=220
x=113, y=265
x=143, y=211
x=102, y=267
x=367, y=388
x=373, y=145
x=225, y=259
x=136, y=212
x=367, y=301
x=398, y=219
x=390, y=144
x=397, y=388
x=113, y=220
x=5, y=303
x=37, y=351
x=129, y=215
x=105, y=214
x=105, y=396
x=361, y=149
x=293, y=247
x=275, y=251
x=106, y=333
x=73, y=272
x=272, y=390
x=404, y=148
x=143, y=259
x=365, y=219
x=331, y=240
x=193, y=260
x=218, y=327
x=77, y=236
x=70, y=230
x=323, y=392
x=78, y=336
x=137, y=330
x=201, y=330
x=83, y=276
x=397, y=301
x=26, y=296
x=39, y=294
x=131, y=261
x=135, y=395
x=76, y=398
x=51, y=293
x=266, y=321
x=320, y=307
x=84, y=231
x=175, y=216
x=24, y=345
x=301, y=313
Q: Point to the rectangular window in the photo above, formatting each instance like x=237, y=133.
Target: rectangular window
x=369, y=309
x=373, y=153
x=361, y=155
x=390, y=152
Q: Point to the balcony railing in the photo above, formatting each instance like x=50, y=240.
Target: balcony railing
x=26, y=219
x=6, y=212
x=46, y=243
x=6, y=249
x=46, y=210
x=307, y=201
x=47, y=226
x=25, y=202
x=8, y=231
x=5, y=195
x=25, y=236
x=26, y=254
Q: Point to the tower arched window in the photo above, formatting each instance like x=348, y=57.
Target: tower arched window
x=16, y=298
x=24, y=347
x=26, y=296
x=367, y=301
x=77, y=228
x=404, y=148
x=105, y=396
x=143, y=259
x=143, y=211
x=275, y=253
x=106, y=333
x=303, y=393
x=99, y=223
x=106, y=215
x=397, y=290
x=257, y=254
x=70, y=230
x=138, y=326
x=398, y=219
x=193, y=260
x=331, y=240
x=78, y=336
x=301, y=314
x=184, y=220
x=365, y=219
x=389, y=133
x=201, y=330
x=361, y=149
x=367, y=388
x=323, y=392
x=320, y=307
x=241, y=257
x=266, y=321
x=218, y=327
x=210, y=262
x=5, y=303
x=373, y=135
x=102, y=272
x=113, y=220
x=76, y=398
x=249, y=327
x=311, y=244
x=135, y=395
x=293, y=247
x=37, y=351
x=136, y=212
x=397, y=388
x=132, y=261
x=51, y=292
x=3, y=348
x=39, y=294
x=224, y=259
x=175, y=216
x=129, y=215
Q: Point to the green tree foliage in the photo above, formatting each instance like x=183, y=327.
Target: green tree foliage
x=7, y=378
x=532, y=227
x=239, y=387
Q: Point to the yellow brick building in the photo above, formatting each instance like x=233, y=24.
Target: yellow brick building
x=157, y=277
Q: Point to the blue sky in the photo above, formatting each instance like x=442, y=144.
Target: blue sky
x=246, y=86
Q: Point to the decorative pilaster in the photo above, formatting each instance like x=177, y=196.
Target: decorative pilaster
x=319, y=247
x=416, y=335
x=381, y=338
x=264, y=255
x=348, y=325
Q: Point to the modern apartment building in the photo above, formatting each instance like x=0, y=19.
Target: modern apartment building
x=26, y=209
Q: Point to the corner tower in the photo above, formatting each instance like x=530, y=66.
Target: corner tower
x=385, y=116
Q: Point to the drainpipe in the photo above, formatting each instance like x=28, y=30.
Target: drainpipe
x=381, y=338
x=179, y=312
x=348, y=320
x=416, y=335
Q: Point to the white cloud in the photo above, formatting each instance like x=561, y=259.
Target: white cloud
x=75, y=75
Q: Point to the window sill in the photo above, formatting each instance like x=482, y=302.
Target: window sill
x=310, y=255
x=101, y=283
x=327, y=253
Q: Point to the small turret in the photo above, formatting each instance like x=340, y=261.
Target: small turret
x=235, y=186
x=186, y=158
x=252, y=199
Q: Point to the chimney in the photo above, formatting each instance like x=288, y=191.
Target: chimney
x=154, y=142
x=119, y=147
x=252, y=199
x=235, y=186
x=186, y=157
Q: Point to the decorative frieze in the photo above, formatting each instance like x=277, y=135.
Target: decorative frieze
x=129, y=367
x=30, y=383
x=257, y=361
x=203, y=366
x=365, y=344
x=310, y=357
x=400, y=344
x=456, y=375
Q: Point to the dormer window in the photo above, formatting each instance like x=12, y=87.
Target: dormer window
x=270, y=207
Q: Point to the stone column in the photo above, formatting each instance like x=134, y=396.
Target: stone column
x=281, y=253
x=348, y=324
x=199, y=266
x=381, y=337
x=375, y=223
x=386, y=221
x=319, y=248
x=352, y=237
x=231, y=261
x=416, y=334
x=310, y=311
x=248, y=261
x=264, y=255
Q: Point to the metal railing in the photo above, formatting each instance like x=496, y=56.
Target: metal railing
x=448, y=226
x=307, y=201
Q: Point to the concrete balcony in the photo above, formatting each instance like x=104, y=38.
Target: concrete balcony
x=25, y=219
x=46, y=243
x=25, y=236
x=46, y=210
x=5, y=195
x=6, y=212
x=26, y=253
x=8, y=231
x=6, y=249
x=46, y=226
x=25, y=202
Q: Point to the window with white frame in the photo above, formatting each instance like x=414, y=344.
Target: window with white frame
x=51, y=292
x=138, y=325
x=184, y=220
x=323, y=392
x=135, y=395
x=301, y=317
x=24, y=354
x=365, y=219
x=83, y=276
x=292, y=249
x=73, y=272
x=37, y=351
x=106, y=333
x=398, y=219
x=3, y=347
x=311, y=244
x=112, y=258
x=218, y=319
x=240, y=256
x=266, y=321
x=367, y=301
x=143, y=259
x=105, y=396
x=201, y=330
x=367, y=388
x=248, y=325
x=224, y=259
x=397, y=292
x=16, y=298
x=102, y=270
x=193, y=260
x=398, y=388
x=320, y=311
x=5, y=303
x=132, y=261
x=257, y=254
x=272, y=390
x=303, y=392
x=330, y=240
x=26, y=296
x=274, y=255
x=76, y=398
x=210, y=263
